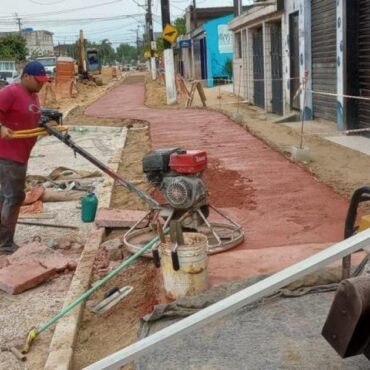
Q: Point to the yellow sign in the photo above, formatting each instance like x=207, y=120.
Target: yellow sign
x=170, y=33
x=147, y=54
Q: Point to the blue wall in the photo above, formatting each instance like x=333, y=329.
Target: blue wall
x=216, y=49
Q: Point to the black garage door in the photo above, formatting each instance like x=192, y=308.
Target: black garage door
x=258, y=68
x=363, y=118
x=324, y=55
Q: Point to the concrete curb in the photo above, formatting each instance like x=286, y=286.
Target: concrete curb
x=65, y=334
x=62, y=344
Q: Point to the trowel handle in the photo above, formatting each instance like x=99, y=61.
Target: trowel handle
x=175, y=259
x=156, y=257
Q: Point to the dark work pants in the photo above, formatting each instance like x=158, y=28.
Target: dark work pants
x=12, y=183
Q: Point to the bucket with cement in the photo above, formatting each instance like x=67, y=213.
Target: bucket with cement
x=301, y=154
x=192, y=277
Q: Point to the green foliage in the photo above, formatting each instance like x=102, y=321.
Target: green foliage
x=126, y=53
x=160, y=46
x=180, y=25
x=106, y=52
x=13, y=46
x=229, y=67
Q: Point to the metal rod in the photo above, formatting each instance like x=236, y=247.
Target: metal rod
x=225, y=306
x=66, y=139
x=210, y=228
x=47, y=225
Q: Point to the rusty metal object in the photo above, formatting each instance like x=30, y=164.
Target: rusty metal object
x=347, y=327
x=350, y=228
x=346, y=267
x=18, y=354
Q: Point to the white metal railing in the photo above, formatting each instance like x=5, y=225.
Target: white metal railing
x=246, y=296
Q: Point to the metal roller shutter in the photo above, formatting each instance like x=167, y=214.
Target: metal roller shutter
x=363, y=120
x=324, y=55
x=258, y=68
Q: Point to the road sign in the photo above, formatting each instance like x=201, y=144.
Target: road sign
x=169, y=33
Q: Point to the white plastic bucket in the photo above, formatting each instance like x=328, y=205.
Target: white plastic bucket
x=192, y=277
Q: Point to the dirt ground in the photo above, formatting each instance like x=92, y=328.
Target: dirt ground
x=87, y=92
x=101, y=335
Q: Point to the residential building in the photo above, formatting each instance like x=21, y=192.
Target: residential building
x=206, y=51
x=277, y=43
x=39, y=43
x=262, y=70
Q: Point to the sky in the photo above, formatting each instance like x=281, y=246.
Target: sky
x=116, y=20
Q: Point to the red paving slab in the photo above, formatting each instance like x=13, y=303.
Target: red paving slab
x=278, y=203
x=40, y=253
x=107, y=217
x=17, y=278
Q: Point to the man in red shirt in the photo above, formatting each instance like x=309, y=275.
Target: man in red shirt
x=19, y=110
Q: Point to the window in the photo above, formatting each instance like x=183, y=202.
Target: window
x=238, y=45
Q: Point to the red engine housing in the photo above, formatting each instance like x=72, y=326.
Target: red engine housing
x=190, y=162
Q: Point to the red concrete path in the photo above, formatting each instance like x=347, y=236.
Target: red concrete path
x=283, y=206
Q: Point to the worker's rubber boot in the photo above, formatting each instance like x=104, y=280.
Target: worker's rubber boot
x=9, y=217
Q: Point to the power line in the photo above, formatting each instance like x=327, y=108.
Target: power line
x=104, y=30
x=52, y=3
x=54, y=22
x=140, y=5
x=44, y=14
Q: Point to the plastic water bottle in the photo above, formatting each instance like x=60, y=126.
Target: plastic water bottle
x=89, y=205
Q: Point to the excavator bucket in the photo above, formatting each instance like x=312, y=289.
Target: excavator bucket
x=347, y=327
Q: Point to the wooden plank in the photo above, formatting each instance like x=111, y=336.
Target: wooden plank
x=201, y=94
x=246, y=296
x=191, y=94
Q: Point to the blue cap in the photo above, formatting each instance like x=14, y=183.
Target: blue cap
x=37, y=70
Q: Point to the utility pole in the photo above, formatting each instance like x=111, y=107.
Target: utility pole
x=237, y=7
x=168, y=56
x=151, y=40
x=81, y=54
x=195, y=20
x=18, y=22
x=137, y=44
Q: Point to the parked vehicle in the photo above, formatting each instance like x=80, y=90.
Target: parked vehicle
x=49, y=64
x=8, y=71
x=93, y=63
x=9, y=76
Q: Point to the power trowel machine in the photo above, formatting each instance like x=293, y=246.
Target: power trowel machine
x=177, y=174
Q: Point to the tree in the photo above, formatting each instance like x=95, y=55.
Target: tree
x=13, y=46
x=180, y=25
x=160, y=46
x=125, y=53
x=106, y=52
